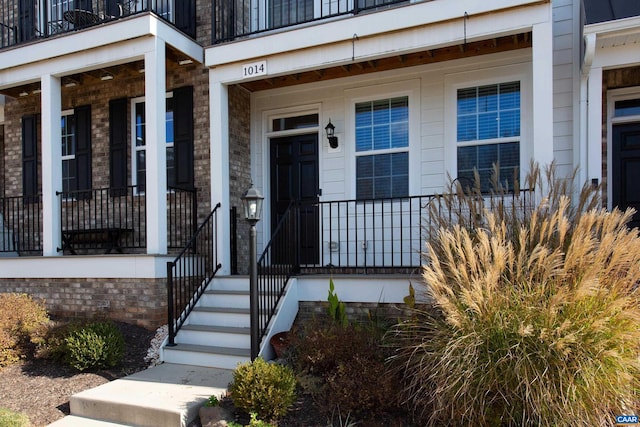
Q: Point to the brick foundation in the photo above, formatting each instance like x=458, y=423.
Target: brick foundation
x=141, y=301
x=356, y=312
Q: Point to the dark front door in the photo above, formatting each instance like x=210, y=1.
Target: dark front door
x=626, y=169
x=294, y=176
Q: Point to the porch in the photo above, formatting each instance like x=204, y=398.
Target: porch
x=95, y=221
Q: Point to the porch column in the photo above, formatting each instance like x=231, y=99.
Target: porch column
x=542, y=125
x=51, y=99
x=219, y=108
x=156, y=150
x=594, y=125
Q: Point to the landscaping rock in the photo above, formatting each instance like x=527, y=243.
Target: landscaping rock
x=214, y=416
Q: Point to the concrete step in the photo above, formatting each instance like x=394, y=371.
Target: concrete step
x=223, y=316
x=223, y=336
x=73, y=421
x=225, y=298
x=230, y=283
x=219, y=357
x=168, y=395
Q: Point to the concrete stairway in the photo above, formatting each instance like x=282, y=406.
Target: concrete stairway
x=217, y=332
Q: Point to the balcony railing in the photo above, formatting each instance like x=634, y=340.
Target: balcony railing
x=239, y=18
x=380, y=235
x=21, y=225
x=25, y=20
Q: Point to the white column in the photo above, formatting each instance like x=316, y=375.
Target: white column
x=219, y=108
x=156, y=149
x=594, y=125
x=51, y=164
x=543, y=93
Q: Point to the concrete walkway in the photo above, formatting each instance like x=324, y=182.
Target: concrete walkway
x=168, y=395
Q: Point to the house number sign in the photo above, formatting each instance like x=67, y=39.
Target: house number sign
x=254, y=69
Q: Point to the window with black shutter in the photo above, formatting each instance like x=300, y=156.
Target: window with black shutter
x=83, y=151
x=183, y=136
x=185, y=17
x=27, y=20
x=118, y=146
x=30, y=156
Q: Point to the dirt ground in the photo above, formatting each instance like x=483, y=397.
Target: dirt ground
x=41, y=388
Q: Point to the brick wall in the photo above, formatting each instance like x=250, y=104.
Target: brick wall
x=239, y=166
x=613, y=79
x=356, y=312
x=141, y=302
x=1, y=160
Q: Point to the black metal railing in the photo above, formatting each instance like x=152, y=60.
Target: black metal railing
x=189, y=274
x=278, y=262
x=105, y=220
x=385, y=234
x=239, y=18
x=21, y=225
x=25, y=20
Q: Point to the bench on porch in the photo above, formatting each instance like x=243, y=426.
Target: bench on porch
x=109, y=238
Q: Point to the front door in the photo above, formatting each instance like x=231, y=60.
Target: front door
x=626, y=169
x=294, y=176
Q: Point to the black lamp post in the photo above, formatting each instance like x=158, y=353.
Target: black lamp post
x=252, y=203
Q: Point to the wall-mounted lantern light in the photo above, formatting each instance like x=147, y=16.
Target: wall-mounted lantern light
x=330, y=129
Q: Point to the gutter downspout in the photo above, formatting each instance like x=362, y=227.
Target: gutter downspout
x=587, y=61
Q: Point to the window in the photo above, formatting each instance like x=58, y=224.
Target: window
x=488, y=132
x=382, y=148
x=140, y=146
x=69, y=174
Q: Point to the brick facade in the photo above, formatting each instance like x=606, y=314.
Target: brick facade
x=141, y=302
x=239, y=167
x=356, y=312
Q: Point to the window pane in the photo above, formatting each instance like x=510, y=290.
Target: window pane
x=629, y=107
x=400, y=135
x=140, y=123
x=510, y=155
x=363, y=114
x=381, y=137
x=487, y=98
x=364, y=139
x=489, y=112
x=380, y=112
x=483, y=157
x=487, y=156
x=467, y=158
x=382, y=175
x=296, y=122
x=171, y=170
x=399, y=110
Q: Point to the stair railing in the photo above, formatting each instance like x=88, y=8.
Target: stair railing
x=189, y=274
x=278, y=262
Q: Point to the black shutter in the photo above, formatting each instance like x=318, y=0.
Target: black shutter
x=185, y=16
x=30, y=157
x=111, y=8
x=27, y=15
x=118, y=146
x=83, y=150
x=83, y=5
x=183, y=135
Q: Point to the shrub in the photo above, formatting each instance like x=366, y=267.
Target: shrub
x=13, y=419
x=351, y=364
x=95, y=345
x=536, y=317
x=22, y=322
x=265, y=388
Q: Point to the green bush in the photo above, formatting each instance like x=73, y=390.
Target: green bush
x=13, y=419
x=536, y=315
x=266, y=389
x=96, y=345
x=22, y=323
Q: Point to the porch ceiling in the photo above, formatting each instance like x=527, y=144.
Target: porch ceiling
x=468, y=50
x=174, y=58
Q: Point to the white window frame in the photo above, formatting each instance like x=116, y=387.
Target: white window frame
x=614, y=95
x=485, y=77
x=135, y=148
x=409, y=89
x=67, y=113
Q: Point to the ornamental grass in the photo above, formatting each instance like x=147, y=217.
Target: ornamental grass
x=534, y=316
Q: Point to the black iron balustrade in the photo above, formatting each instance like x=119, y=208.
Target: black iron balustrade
x=278, y=262
x=232, y=19
x=21, y=225
x=182, y=216
x=191, y=272
x=25, y=20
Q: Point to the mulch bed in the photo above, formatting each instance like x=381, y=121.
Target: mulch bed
x=41, y=388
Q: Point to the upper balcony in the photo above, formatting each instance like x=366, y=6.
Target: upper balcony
x=239, y=18
x=23, y=21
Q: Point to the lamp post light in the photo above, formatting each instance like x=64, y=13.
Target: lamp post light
x=331, y=130
x=252, y=203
